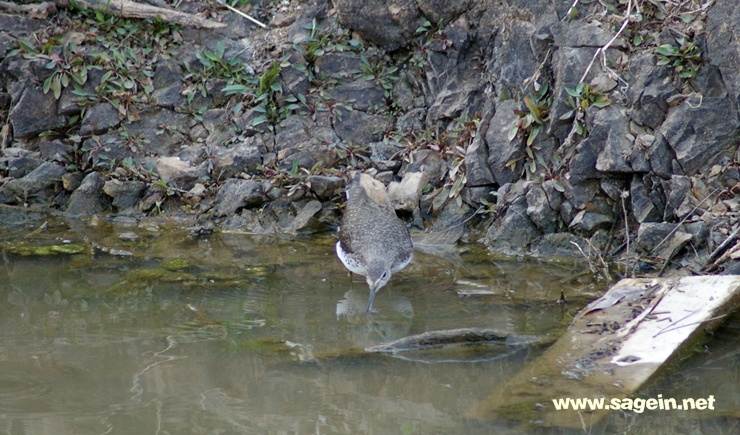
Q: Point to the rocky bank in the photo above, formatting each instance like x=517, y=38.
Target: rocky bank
x=607, y=130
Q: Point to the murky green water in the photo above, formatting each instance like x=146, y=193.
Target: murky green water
x=233, y=333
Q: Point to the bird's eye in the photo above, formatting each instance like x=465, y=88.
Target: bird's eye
x=385, y=275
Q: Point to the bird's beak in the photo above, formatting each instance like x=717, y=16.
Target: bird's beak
x=373, y=290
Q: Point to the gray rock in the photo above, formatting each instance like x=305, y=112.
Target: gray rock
x=325, y=186
x=245, y=156
x=580, y=194
x=172, y=170
x=43, y=177
x=167, y=84
x=701, y=134
x=500, y=149
x=337, y=65
x=18, y=167
x=305, y=220
x=149, y=127
x=429, y=162
x=543, y=203
x=53, y=150
x=387, y=23
x=411, y=121
x=678, y=203
x=476, y=163
x=513, y=57
x=72, y=180
x=661, y=156
x=662, y=240
x=125, y=194
x=236, y=194
x=643, y=208
x=87, y=199
x=649, y=89
x=99, y=118
x=34, y=113
x=362, y=95
x=589, y=222
x=610, y=130
x=461, y=96
x=358, y=127
x=723, y=34
x=406, y=194
x=513, y=233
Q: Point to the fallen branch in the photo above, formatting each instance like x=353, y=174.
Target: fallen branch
x=130, y=9
x=41, y=10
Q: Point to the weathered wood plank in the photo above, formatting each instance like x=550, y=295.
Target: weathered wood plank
x=614, y=346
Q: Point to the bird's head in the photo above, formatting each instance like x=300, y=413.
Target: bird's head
x=378, y=275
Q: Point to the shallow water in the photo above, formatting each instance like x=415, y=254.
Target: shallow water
x=233, y=333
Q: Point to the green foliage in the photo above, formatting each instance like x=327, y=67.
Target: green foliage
x=535, y=116
x=581, y=98
x=69, y=68
x=685, y=58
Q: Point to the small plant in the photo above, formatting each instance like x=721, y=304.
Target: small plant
x=214, y=65
x=532, y=119
x=69, y=68
x=684, y=58
x=379, y=72
x=581, y=98
x=535, y=116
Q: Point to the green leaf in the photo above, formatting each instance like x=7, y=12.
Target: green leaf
x=572, y=92
x=567, y=115
x=533, y=134
x=512, y=132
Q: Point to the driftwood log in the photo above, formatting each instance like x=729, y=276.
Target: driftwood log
x=123, y=8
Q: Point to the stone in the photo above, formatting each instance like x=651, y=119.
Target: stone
x=723, y=34
x=34, y=113
x=589, y=222
x=643, y=208
x=700, y=133
x=364, y=95
x=305, y=220
x=580, y=194
x=662, y=240
x=610, y=129
x=359, y=127
x=406, y=194
x=649, y=90
x=387, y=23
x=18, y=167
x=429, y=162
x=34, y=183
x=172, y=170
x=500, y=149
x=678, y=203
x=337, y=65
x=99, y=119
x=325, y=187
x=125, y=194
x=87, y=199
x=72, y=180
x=513, y=233
x=460, y=97
x=236, y=194
x=412, y=121
x=167, y=83
x=543, y=203
x=245, y=156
